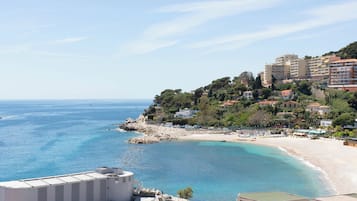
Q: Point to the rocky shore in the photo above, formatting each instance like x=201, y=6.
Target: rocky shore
x=153, y=133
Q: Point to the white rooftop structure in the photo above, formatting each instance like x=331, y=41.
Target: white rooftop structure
x=103, y=184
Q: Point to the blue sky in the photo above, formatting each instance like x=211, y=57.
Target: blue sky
x=135, y=49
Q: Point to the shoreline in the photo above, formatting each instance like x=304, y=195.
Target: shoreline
x=330, y=157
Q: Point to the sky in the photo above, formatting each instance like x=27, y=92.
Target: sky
x=118, y=49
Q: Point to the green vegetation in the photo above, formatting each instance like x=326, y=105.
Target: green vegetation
x=222, y=104
x=242, y=102
x=186, y=193
x=348, y=52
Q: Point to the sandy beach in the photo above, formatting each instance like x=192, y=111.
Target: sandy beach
x=336, y=162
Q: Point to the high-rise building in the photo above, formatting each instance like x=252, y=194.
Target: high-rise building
x=298, y=69
x=286, y=59
x=318, y=67
x=343, y=74
x=277, y=71
x=280, y=70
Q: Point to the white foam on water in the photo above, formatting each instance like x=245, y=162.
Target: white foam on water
x=307, y=163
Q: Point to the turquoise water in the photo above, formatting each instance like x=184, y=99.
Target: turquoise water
x=42, y=138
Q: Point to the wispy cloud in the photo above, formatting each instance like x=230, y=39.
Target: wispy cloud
x=69, y=40
x=322, y=16
x=16, y=49
x=146, y=46
x=189, y=17
x=31, y=49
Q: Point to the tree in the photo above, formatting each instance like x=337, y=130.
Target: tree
x=339, y=106
x=186, y=193
x=260, y=119
x=353, y=101
x=304, y=87
x=206, y=114
x=273, y=82
x=344, y=119
x=257, y=83
x=255, y=94
x=266, y=92
x=348, y=52
x=197, y=94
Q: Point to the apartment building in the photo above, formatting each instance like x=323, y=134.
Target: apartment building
x=277, y=71
x=286, y=59
x=298, y=69
x=280, y=69
x=318, y=67
x=343, y=74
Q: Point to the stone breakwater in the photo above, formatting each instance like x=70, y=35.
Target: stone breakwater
x=155, y=133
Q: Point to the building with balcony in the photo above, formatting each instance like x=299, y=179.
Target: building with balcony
x=318, y=67
x=298, y=69
x=343, y=74
x=286, y=59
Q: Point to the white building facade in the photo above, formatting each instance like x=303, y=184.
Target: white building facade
x=298, y=69
x=104, y=184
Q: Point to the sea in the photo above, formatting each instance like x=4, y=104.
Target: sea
x=49, y=137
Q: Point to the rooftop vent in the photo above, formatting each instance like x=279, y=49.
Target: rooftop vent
x=104, y=170
x=107, y=170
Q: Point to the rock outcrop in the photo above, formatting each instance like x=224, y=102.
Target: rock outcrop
x=154, y=133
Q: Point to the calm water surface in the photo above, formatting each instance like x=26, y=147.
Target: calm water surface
x=42, y=138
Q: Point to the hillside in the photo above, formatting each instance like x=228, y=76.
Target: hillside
x=242, y=102
x=348, y=52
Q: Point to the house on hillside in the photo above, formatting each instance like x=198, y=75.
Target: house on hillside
x=248, y=95
x=229, y=103
x=185, y=113
x=290, y=104
x=326, y=122
x=287, y=94
x=324, y=109
x=265, y=103
x=316, y=107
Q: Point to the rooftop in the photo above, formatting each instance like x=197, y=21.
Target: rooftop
x=267, y=102
x=62, y=179
x=314, y=104
x=287, y=92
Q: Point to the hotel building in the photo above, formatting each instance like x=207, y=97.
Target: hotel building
x=104, y=184
x=343, y=74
